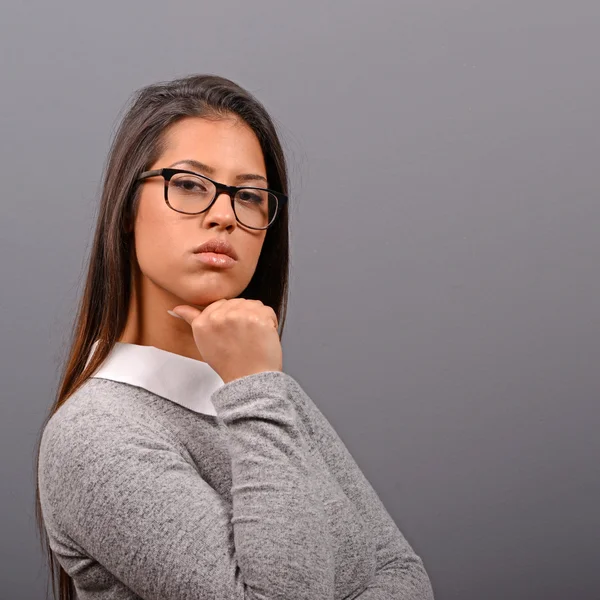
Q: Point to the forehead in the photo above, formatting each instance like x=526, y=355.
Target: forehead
x=223, y=143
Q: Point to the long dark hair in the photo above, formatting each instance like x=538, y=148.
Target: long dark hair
x=103, y=308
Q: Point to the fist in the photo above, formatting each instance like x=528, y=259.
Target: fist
x=236, y=337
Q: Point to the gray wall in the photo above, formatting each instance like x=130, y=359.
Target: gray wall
x=445, y=242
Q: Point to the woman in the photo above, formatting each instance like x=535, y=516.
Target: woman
x=179, y=461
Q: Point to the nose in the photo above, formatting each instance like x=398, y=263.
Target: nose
x=221, y=212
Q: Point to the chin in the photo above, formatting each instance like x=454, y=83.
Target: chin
x=204, y=294
x=201, y=304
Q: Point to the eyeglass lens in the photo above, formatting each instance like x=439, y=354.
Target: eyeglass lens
x=192, y=194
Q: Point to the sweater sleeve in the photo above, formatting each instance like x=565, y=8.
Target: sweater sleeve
x=400, y=573
x=129, y=497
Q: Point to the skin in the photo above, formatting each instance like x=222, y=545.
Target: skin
x=166, y=274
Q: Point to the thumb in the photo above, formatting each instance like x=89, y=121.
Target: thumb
x=185, y=312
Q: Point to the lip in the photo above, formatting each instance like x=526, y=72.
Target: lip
x=217, y=246
x=215, y=259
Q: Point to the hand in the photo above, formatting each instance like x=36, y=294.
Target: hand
x=236, y=337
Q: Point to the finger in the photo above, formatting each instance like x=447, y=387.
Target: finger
x=225, y=306
x=185, y=312
x=273, y=315
x=214, y=306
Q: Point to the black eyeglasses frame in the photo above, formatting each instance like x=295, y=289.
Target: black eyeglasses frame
x=230, y=190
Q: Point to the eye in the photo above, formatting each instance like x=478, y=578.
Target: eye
x=190, y=184
x=250, y=196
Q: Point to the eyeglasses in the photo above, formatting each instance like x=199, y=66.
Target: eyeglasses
x=190, y=193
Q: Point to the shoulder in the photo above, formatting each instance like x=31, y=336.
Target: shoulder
x=96, y=408
x=100, y=424
x=102, y=406
x=100, y=446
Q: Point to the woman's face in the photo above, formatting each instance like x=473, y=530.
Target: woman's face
x=165, y=239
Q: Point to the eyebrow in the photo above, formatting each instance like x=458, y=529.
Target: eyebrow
x=210, y=171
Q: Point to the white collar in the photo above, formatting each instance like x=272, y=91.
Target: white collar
x=183, y=380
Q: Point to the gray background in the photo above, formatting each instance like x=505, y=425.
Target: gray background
x=444, y=158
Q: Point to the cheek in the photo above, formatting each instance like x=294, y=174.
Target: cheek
x=250, y=254
x=255, y=245
x=150, y=255
x=155, y=245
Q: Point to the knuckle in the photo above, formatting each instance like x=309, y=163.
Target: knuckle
x=216, y=318
x=271, y=313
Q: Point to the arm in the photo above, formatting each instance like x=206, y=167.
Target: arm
x=400, y=573
x=124, y=492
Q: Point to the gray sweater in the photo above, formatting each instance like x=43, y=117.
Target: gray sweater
x=145, y=498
